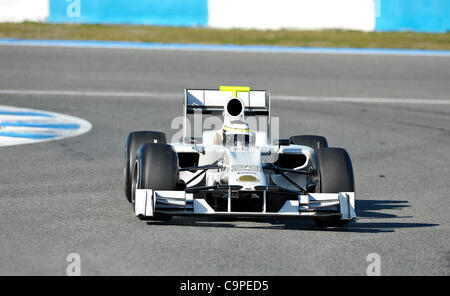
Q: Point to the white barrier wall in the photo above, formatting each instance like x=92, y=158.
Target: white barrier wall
x=24, y=10
x=292, y=14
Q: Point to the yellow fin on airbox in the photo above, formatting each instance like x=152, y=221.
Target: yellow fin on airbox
x=235, y=89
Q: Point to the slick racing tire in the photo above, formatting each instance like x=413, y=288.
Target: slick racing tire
x=336, y=175
x=134, y=141
x=156, y=168
x=315, y=142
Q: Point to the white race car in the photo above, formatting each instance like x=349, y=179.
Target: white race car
x=235, y=170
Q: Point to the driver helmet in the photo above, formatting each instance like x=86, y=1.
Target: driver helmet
x=236, y=134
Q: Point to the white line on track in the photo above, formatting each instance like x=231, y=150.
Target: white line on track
x=87, y=93
x=179, y=95
x=365, y=100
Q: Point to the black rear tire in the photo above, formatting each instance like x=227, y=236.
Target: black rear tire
x=315, y=142
x=134, y=141
x=336, y=175
x=157, y=166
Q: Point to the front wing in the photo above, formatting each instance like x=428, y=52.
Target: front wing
x=148, y=202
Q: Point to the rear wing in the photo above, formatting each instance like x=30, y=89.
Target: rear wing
x=212, y=102
x=209, y=101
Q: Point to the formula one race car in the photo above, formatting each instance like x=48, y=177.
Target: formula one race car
x=235, y=170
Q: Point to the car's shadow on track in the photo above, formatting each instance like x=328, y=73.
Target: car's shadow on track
x=369, y=212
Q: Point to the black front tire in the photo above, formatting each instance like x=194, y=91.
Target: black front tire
x=336, y=175
x=133, y=142
x=157, y=169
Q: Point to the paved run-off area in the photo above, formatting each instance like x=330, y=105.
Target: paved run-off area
x=67, y=196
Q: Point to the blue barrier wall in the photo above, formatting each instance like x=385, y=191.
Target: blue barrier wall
x=393, y=15
x=414, y=15
x=144, y=12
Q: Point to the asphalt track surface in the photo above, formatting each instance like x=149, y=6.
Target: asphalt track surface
x=67, y=196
